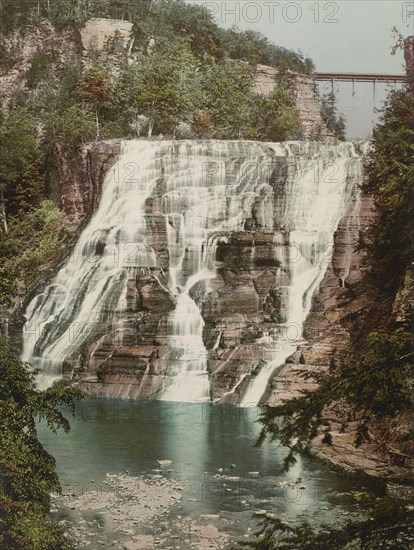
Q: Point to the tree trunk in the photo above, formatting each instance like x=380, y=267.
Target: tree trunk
x=150, y=127
x=3, y=211
x=97, y=124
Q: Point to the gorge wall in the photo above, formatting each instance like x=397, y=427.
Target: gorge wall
x=229, y=226
x=111, y=41
x=306, y=98
x=247, y=271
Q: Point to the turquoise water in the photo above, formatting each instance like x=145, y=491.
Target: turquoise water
x=118, y=436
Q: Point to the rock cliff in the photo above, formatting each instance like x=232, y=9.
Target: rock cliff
x=339, y=301
x=238, y=306
x=43, y=47
x=246, y=274
x=306, y=98
x=34, y=49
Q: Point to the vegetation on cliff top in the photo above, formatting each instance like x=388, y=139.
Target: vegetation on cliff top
x=166, y=20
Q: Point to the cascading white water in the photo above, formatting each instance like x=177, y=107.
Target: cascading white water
x=208, y=188
x=89, y=289
x=188, y=365
x=319, y=198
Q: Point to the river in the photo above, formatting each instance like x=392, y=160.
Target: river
x=225, y=480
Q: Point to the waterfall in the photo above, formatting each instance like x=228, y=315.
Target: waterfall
x=196, y=192
x=317, y=200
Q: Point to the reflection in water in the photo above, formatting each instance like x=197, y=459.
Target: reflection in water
x=110, y=435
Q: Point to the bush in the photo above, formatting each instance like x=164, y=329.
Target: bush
x=39, y=69
x=28, y=251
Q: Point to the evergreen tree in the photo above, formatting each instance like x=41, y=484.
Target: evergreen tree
x=333, y=120
x=28, y=471
x=19, y=153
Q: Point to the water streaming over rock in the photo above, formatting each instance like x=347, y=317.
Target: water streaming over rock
x=164, y=207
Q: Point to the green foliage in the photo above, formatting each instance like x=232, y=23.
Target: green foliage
x=158, y=95
x=389, y=525
x=75, y=127
x=390, y=178
x=18, y=145
x=172, y=86
x=333, y=120
x=228, y=99
x=379, y=378
x=185, y=78
x=28, y=473
x=375, y=382
x=95, y=88
x=39, y=69
x=167, y=20
x=21, y=181
x=165, y=87
x=202, y=123
x=279, y=118
x=34, y=241
x=255, y=48
x=173, y=20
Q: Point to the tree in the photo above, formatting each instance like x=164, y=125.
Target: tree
x=126, y=90
x=279, y=118
x=19, y=153
x=390, y=171
x=171, y=21
x=158, y=97
x=165, y=87
x=228, y=99
x=31, y=246
x=202, y=123
x=28, y=473
x=75, y=127
x=95, y=89
x=333, y=120
x=255, y=48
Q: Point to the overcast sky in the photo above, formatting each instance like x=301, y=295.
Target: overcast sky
x=339, y=36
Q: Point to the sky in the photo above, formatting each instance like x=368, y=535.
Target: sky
x=339, y=36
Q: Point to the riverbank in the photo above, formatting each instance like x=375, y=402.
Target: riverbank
x=369, y=460
x=132, y=513
x=376, y=458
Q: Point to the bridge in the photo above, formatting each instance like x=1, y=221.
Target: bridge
x=360, y=77
x=373, y=78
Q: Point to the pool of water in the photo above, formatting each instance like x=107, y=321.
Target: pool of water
x=212, y=453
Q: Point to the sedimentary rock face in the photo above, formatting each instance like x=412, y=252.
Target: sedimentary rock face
x=194, y=276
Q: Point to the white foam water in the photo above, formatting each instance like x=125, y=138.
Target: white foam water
x=209, y=189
